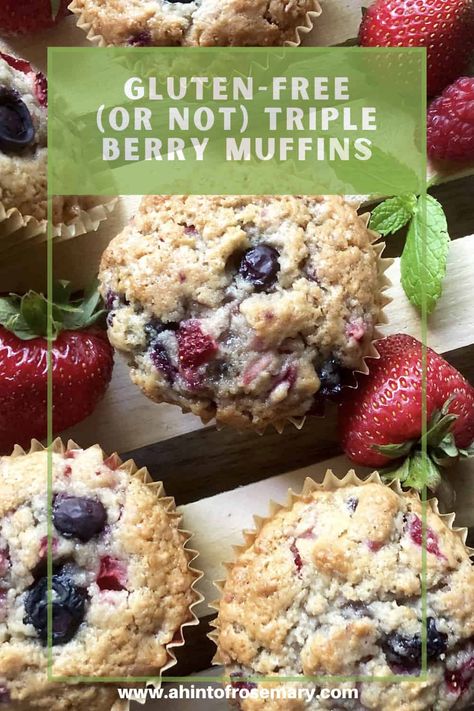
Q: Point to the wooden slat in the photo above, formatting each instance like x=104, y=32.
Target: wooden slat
x=206, y=462
x=218, y=521
x=127, y=420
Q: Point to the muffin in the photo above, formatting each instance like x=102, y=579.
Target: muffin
x=331, y=586
x=23, y=137
x=122, y=585
x=249, y=309
x=195, y=22
x=23, y=146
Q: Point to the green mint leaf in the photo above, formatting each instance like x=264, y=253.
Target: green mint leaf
x=55, y=5
x=393, y=214
x=424, y=258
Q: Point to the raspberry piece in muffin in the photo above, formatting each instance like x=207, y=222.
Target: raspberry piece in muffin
x=251, y=310
x=122, y=586
x=195, y=22
x=308, y=596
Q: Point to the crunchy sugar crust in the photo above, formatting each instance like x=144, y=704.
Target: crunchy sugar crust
x=323, y=585
x=124, y=632
x=178, y=261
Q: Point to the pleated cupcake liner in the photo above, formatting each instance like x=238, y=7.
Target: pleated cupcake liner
x=168, y=503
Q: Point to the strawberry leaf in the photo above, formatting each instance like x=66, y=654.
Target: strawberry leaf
x=87, y=310
x=9, y=310
x=438, y=432
x=467, y=453
x=424, y=258
x=401, y=472
x=422, y=472
x=395, y=451
x=448, y=446
x=55, y=6
x=62, y=292
x=34, y=310
x=27, y=316
x=393, y=214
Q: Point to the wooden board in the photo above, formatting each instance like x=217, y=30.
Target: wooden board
x=220, y=520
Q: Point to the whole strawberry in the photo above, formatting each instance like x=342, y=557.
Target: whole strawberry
x=444, y=27
x=21, y=17
x=451, y=122
x=381, y=420
x=81, y=363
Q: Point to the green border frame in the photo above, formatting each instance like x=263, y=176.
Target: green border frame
x=391, y=678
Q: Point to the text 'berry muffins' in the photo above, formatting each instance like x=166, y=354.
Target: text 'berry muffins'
x=248, y=309
x=195, y=22
x=331, y=586
x=122, y=583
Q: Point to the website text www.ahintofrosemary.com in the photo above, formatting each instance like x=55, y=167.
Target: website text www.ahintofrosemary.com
x=210, y=692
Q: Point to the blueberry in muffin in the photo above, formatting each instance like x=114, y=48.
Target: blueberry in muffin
x=23, y=136
x=331, y=586
x=23, y=145
x=122, y=586
x=249, y=309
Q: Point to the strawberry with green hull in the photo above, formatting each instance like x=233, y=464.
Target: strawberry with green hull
x=82, y=362
x=381, y=421
x=444, y=27
x=19, y=17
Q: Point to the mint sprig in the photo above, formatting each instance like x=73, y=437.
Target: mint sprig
x=393, y=214
x=27, y=316
x=424, y=257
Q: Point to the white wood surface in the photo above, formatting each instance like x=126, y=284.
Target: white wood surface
x=219, y=520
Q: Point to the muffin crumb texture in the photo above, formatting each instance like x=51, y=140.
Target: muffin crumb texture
x=332, y=587
x=252, y=310
x=23, y=146
x=23, y=163
x=197, y=22
x=121, y=585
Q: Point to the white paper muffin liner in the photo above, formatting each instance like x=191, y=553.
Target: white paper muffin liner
x=330, y=483
x=95, y=38
x=18, y=231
